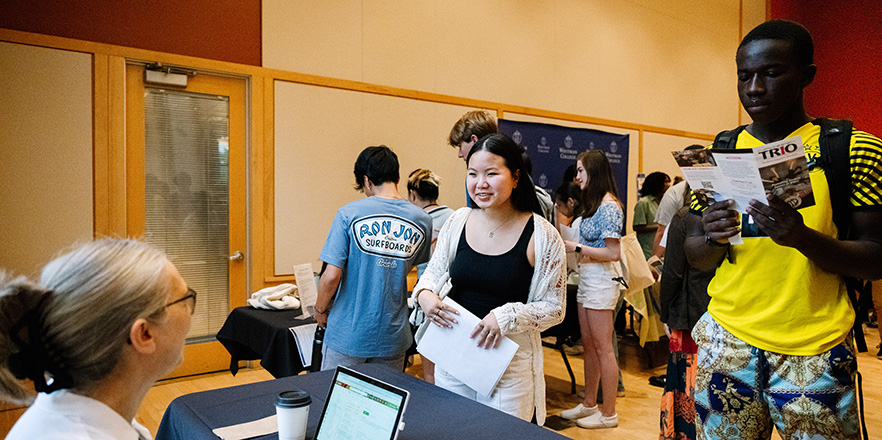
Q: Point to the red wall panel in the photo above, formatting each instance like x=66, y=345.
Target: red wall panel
x=226, y=30
x=848, y=53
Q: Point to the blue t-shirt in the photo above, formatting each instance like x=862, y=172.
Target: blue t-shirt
x=606, y=222
x=376, y=241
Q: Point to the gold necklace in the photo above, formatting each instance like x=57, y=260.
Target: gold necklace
x=500, y=225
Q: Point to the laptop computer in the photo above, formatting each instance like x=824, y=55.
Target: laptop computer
x=360, y=406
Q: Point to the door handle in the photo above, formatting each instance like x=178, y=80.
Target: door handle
x=237, y=256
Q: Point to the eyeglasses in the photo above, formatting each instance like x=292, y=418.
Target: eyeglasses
x=190, y=294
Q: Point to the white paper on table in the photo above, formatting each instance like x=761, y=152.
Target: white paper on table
x=304, y=335
x=456, y=353
x=256, y=428
x=307, y=288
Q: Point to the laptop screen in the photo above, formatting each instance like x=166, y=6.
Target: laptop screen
x=359, y=406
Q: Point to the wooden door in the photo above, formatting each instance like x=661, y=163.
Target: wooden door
x=186, y=194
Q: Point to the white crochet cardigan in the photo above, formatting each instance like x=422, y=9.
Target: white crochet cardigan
x=546, y=302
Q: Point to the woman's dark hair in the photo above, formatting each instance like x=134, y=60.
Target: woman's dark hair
x=523, y=196
x=600, y=180
x=569, y=190
x=654, y=184
x=379, y=164
x=570, y=174
x=424, y=183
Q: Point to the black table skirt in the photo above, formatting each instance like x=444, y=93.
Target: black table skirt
x=250, y=333
x=432, y=412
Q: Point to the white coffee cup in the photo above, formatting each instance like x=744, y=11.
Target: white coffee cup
x=292, y=412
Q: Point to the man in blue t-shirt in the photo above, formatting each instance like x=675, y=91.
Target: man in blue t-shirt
x=372, y=245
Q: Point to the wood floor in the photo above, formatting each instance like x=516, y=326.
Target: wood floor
x=638, y=410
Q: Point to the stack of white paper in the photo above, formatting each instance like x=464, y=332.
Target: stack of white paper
x=455, y=352
x=304, y=336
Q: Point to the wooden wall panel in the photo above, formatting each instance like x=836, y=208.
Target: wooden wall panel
x=46, y=149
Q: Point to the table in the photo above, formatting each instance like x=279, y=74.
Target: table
x=432, y=412
x=250, y=333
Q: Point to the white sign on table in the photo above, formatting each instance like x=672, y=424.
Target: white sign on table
x=306, y=288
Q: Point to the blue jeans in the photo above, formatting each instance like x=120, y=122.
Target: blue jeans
x=331, y=359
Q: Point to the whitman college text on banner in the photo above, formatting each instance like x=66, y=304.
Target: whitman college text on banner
x=552, y=148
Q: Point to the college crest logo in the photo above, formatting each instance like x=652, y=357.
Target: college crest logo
x=387, y=236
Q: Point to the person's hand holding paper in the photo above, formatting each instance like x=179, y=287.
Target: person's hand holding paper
x=487, y=332
x=455, y=350
x=435, y=310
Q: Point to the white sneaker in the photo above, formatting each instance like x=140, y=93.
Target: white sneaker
x=580, y=411
x=598, y=421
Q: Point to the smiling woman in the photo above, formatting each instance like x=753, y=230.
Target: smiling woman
x=506, y=265
x=107, y=320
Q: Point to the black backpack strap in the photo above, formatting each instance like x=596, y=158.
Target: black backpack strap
x=857, y=292
x=835, y=145
x=727, y=139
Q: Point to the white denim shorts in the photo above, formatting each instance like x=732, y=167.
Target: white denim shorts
x=597, y=289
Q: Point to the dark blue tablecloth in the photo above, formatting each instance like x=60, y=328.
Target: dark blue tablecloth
x=432, y=413
x=250, y=333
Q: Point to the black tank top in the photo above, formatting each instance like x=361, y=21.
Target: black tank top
x=483, y=282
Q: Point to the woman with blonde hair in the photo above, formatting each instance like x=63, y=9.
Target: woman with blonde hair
x=598, y=250
x=106, y=321
x=422, y=190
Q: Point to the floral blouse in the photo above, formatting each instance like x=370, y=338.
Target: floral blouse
x=606, y=222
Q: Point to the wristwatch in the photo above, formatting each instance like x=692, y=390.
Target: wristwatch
x=712, y=242
x=578, y=248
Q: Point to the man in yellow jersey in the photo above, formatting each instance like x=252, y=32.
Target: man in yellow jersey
x=774, y=346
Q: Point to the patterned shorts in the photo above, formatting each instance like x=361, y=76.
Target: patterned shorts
x=741, y=390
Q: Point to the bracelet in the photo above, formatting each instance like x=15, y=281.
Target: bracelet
x=712, y=242
x=320, y=312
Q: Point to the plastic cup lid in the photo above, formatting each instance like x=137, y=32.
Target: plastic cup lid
x=293, y=399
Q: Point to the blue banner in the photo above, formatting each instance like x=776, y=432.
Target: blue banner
x=552, y=148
